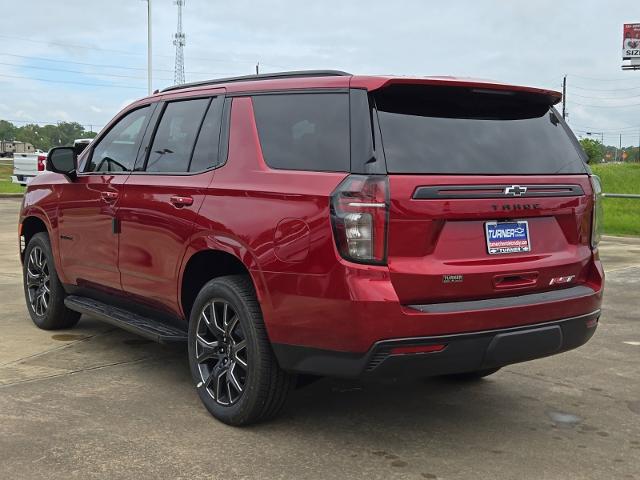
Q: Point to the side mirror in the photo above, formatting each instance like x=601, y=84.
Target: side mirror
x=62, y=160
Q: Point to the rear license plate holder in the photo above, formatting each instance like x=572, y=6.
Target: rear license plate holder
x=507, y=237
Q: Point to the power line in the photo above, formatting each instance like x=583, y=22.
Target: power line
x=606, y=106
x=605, y=89
x=605, y=130
x=61, y=44
x=71, y=82
x=77, y=71
x=123, y=52
x=102, y=65
x=606, y=134
x=604, y=98
x=599, y=79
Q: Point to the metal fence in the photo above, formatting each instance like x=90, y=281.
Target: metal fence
x=621, y=195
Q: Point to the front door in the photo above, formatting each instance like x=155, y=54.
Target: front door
x=162, y=200
x=88, y=205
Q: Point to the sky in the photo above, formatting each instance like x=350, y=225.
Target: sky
x=83, y=60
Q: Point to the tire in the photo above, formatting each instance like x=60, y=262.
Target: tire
x=43, y=291
x=471, y=376
x=219, y=344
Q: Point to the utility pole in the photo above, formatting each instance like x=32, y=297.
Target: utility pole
x=257, y=68
x=620, y=148
x=564, y=97
x=149, y=74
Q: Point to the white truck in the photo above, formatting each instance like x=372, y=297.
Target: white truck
x=27, y=165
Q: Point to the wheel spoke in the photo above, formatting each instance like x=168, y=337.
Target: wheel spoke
x=32, y=258
x=230, y=327
x=45, y=302
x=216, y=321
x=38, y=307
x=220, y=383
x=32, y=278
x=240, y=347
x=225, y=310
x=39, y=258
x=229, y=396
x=210, y=321
x=208, y=350
x=232, y=378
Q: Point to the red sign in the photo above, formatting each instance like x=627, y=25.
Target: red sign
x=631, y=41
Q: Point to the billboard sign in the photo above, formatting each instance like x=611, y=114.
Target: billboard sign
x=631, y=41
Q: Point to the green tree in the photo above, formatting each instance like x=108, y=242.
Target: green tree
x=44, y=137
x=7, y=130
x=593, y=148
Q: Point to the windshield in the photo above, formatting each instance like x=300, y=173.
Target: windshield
x=445, y=130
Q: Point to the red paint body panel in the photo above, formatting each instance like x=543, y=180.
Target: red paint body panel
x=277, y=223
x=155, y=234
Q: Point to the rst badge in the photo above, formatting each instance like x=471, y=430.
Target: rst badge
x=507, y=237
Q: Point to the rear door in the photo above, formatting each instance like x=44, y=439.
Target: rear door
x=163, y=196
x=489, y=194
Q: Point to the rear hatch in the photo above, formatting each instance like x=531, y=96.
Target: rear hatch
x=489, y=193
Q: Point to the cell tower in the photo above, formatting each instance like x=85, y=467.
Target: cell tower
x=179, y=41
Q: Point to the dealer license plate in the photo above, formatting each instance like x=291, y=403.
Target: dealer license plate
x=507, y=237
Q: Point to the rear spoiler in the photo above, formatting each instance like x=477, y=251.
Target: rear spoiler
x=551, y=97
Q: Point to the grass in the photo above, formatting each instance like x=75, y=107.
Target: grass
x=621, y=215
x=6, y=170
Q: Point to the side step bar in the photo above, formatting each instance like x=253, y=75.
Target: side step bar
x=129, y=321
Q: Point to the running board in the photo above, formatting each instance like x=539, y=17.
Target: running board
x=144, y=326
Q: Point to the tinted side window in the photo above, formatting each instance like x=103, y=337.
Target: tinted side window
x=205, y=155
x=176, y=134
x=117, y=150
x=304, y=131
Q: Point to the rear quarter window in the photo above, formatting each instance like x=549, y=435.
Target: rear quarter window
x=305, y=131
x=436, y=130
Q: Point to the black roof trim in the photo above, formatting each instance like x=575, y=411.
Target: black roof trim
x=262, y=76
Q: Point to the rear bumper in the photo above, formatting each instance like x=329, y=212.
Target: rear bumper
x=352, y=308
x=22, y=179
x=462, y=352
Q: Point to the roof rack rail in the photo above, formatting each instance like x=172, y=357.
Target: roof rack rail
x=261, y=76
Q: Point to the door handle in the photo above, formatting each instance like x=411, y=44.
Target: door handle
x=180, y=201
x=109, y=196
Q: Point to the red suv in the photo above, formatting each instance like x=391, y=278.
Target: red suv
x=323, y=223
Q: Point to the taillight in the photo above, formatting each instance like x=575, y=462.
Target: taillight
x=41, y=162
x=596, y=220
x=359, y=215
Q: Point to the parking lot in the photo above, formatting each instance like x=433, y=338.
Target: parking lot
x=96, y=402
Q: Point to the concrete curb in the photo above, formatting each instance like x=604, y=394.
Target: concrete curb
x=11, y=195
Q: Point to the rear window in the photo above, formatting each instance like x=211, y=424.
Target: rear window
x=467, y=131
x=302, y=131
